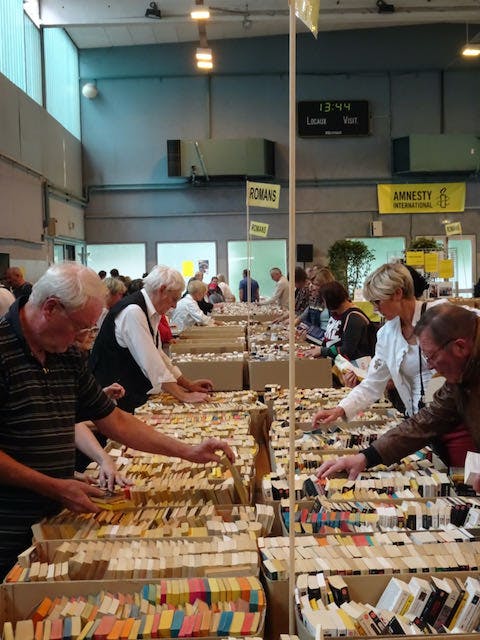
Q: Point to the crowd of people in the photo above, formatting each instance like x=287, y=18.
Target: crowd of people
x=80, y=349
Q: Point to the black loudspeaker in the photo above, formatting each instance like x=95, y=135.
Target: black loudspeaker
x=304, y=252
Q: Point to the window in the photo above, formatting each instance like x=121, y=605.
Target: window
x=129, y=259
x=384, y=249
x=33, y=61
x=12, y=45
x=61, y=79
x=461, y=250
x=189, y=257
x=265, y=254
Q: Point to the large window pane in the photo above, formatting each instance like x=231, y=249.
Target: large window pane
x=12, y=47
x=189, y=257
x=33, y=61
x=384, y=249
x=265, y=254
x=61, y=79
x=461, y=251
x=129, y=259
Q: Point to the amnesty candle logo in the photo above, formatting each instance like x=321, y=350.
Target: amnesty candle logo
x=262, y=194
x=421, y=198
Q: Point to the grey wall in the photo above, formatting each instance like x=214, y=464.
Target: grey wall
x=412, y=78
x=36, y=154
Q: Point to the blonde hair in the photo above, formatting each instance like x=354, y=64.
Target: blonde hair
x=114, y=286
x=196, y=286
x=384, y=281
x=322, y=276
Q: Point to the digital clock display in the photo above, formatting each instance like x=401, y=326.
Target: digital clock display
x=333, y=118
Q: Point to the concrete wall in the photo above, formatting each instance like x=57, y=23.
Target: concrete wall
x=412, y=78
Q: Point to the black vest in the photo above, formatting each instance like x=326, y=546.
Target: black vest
x=110, y=362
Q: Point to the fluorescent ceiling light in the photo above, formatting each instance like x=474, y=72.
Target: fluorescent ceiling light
x=203, y=54
x=204, y=64
x=200, y=12
x=471, y=50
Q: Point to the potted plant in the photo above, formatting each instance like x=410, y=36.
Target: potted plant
x=349, y=261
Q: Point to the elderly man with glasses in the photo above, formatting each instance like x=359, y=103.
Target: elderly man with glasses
x=128, y=348
x=449, y=338
x=44, y=388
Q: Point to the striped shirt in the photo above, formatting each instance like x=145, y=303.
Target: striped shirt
x=38, y=406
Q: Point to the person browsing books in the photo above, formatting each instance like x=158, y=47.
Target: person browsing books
x=128, y=348
x=391, y=291
x=44, y=389
x=449, y=338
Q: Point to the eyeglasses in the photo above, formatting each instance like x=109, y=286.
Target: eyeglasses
x=376, y=303
x=431, y=359
x=79, y=330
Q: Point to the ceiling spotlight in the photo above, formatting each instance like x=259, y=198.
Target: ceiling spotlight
x=471, y=50
x=203, y=54
x=153, y=11
x=199, y=12
x=204, y=64
x=384, y=7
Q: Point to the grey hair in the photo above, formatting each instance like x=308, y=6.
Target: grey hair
x=447, y=322
x=221, y=277
x=276, y=269
x=161, y=275
x=384, y=281
x=114, y=286
x=71, y=283
x=196, y=286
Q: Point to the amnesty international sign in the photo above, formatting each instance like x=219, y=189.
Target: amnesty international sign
x=263, y=194
x=446, y=197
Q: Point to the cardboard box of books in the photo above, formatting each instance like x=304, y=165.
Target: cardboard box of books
x=225, y=375
x=219, y=345
x=385, y=605
x=309, y=374
x=168, y=608
x=209, y=332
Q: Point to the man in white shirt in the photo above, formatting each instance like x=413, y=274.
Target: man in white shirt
x=280, y=295
x=128, y=349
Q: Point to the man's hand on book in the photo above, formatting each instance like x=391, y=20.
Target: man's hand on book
x=352, y=464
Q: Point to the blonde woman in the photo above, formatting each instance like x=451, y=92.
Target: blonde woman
x=397, y=357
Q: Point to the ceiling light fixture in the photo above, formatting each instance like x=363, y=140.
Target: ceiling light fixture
x=471, y=50
x=153, y=11
x=203, y=53
x=200, y=12
x=204, y=64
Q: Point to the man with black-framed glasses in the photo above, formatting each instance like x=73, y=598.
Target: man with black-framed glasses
x=449, y=338
x=45, y=388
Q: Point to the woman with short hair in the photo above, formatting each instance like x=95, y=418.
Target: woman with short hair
x=187, y=312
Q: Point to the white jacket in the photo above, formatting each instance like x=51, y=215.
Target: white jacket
x=387, y=363
x=187, y=313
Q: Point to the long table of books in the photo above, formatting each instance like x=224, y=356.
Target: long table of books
x=186, y=551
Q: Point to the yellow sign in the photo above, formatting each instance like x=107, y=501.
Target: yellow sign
x=415, y=258
x=445, y=269
x=188, y=268
x=453, y=229
x=261, y=194
x=258, y=229
x=307, y=11
x=431, y=262
x=446, y=197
